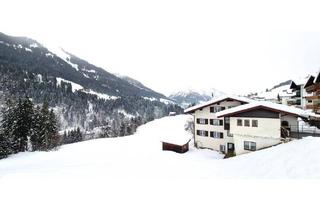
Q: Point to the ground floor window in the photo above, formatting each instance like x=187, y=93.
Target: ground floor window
x=249, y=145
x=202, y=133
x=222, y=148
x=216, y=135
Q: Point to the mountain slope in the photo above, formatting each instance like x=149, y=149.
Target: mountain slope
x=83, y=94
x=188, y=97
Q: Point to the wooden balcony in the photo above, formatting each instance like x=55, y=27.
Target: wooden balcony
x=313, y=88
x=313, y=106
x=313, y=97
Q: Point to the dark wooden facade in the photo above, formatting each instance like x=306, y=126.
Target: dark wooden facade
x=175, y=148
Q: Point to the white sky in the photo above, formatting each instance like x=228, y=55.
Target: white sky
x=234, y=46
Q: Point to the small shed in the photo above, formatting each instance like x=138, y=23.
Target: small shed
x=172, y=133
x=175, y=147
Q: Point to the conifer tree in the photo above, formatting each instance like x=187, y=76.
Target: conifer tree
x=7, y=125
x=23, y=123
x=36, y=130
x=4, y=147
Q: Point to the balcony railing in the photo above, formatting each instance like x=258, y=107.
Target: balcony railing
x=312, y=97
x=313, y=106
x=313, y=88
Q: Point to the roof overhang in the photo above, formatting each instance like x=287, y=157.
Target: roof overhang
x=230, y=114
x=200, y=106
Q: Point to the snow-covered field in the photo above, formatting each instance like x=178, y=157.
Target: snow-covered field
x=97, y=166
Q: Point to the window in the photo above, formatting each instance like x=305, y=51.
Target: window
x=202, y=121
x=215, y=109
x=229, y=134
x=239, y=122
x=216, y=135
x=202, y=133
x=247, y=123
x=222, y=148
x=249, y=145
x=216, y=122
x=254, y=123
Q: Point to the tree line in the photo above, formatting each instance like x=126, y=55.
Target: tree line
x=25, y=127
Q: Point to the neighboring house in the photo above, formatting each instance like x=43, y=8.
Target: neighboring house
x=312, y=87
x=237, y=125
x=298, y=99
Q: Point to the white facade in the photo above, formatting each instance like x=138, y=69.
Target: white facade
x=207, y=141
x=265, y=135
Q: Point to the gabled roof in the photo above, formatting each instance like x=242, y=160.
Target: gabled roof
x=264, y=105
x=215, y=101
x=293, y=85
x=317, y=80
x=309, y=82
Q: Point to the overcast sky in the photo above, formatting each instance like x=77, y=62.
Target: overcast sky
x=233, y=46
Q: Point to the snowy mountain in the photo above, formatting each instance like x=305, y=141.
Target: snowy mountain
x=83, y=94
x=192, y=96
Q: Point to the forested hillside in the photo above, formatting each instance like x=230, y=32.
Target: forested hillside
x=81, y=94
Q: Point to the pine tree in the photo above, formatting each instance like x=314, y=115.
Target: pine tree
x=49, y=137
x=36, y=130
x=4, y=147
x=54, y=139
x=8, y=122
x=23, y=123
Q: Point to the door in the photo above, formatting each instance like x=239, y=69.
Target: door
x=230, y=147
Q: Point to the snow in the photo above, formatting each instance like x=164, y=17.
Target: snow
x=280, y=107
x=49, y=55
x=101, y=95
x=34, y=45
x=166, y=101
x=75, y=86
x=28, y=49
x=140, y=156
x=282, y=91
x=127, y=115
x=150, y=99
x=61, y=53
x=204, y=91
x=130, y=171
x=214, y=100
x=162, y=100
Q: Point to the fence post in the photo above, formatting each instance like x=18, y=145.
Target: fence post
x=298, y=129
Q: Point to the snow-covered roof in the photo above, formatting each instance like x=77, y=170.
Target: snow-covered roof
x=175, y=132
x=266, y=105
x=216, y=100
x=282, y=91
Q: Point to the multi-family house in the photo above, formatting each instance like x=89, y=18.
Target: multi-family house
x=237, y=125
x=312, y=88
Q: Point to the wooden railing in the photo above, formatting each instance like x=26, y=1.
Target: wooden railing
x=313, y=88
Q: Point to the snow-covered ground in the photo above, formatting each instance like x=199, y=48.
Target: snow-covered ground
x=140, y=156
x=134, y=173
